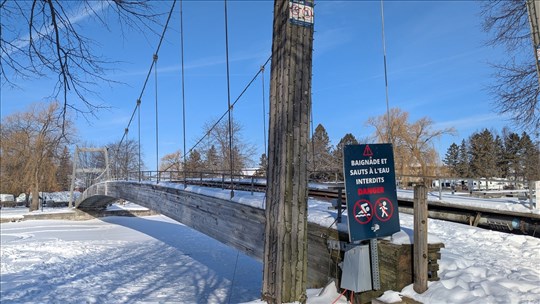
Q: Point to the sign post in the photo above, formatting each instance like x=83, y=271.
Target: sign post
x=370, y=186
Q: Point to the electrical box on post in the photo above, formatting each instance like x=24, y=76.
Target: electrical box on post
x=356, y=269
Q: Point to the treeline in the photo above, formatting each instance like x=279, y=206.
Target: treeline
x=414, y=152
x=487, y=154
x=214, y=153
x=34, y=154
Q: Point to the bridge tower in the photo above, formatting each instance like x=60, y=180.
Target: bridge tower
x=89, y=167
x=285, y=257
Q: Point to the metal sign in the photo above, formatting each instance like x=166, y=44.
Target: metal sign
x=301, y=12
x=370, y=186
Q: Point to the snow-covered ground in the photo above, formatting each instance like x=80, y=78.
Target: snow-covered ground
x=155, y=259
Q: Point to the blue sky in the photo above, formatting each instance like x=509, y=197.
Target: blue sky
x=436, y=59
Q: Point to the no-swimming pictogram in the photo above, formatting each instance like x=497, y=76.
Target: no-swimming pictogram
x=363, y=211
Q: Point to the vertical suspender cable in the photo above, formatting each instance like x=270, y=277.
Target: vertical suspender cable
x=183, y=93
x=127, y=154
x=312, y=142
x=157, y=133
x=264, y=111
x=390, y=137
x=139, y=139
x=231, y=158
x=138, y=106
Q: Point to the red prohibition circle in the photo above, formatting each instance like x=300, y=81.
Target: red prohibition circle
x=386, y=209
x=361, y=208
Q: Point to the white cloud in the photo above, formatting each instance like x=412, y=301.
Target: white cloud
x=81, y=13
x=471, y=121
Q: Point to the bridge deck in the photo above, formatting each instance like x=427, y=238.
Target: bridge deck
x=241, y=225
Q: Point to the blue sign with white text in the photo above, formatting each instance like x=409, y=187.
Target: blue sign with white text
x=370, y=186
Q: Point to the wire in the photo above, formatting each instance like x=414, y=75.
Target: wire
x=234, y=275
x=231, y=157
x=386, y=77
x=150, y=71
x=264, y=113
x=157, y=120
x=222, y=116
x=183, y=90
x=139, y=127
x=340, y=295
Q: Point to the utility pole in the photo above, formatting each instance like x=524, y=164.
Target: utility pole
x=533, y=8
x=285, y=250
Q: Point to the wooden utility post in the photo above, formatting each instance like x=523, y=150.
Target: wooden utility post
x=285, y=250
x=533, y=10
x=420, y=246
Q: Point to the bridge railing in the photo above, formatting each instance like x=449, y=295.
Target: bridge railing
x=403, y=181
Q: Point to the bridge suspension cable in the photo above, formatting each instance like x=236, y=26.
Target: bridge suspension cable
x=231, y=157
x=390, y=137
x=157, y=120
x=137, y=106
x=226, y=112
x=264, y=112
x=183, y=90
x=230, y=106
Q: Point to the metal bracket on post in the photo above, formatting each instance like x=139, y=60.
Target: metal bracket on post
x=336, y=245
x=375, y=274
x=339, y=204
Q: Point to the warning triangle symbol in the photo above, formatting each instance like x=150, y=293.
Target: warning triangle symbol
x=367, y=151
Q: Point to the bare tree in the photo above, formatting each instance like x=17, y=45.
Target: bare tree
x=412, y=141
x=43, y=38
x=171, y=162
x=218, y=137
x=31, y=143
x=124, y=158
x=516, y=87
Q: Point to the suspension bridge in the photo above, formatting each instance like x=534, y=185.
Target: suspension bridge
x=228, y=218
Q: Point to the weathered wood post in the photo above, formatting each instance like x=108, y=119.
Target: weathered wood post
x=285, y=250
x=420, y=247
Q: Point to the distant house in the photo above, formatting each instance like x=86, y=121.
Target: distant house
x=249, y=171
x=7, y=200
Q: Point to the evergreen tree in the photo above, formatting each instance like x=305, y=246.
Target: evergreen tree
x=502, y=165
x=451, y=159
x=263, y=165
x=321, y=154
x=463, y=164
x=212, y=161
x=65, y=170
x=194, y=163
x=482, y=153
x=511, y=155
x=530, y=159
x=348, y=139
